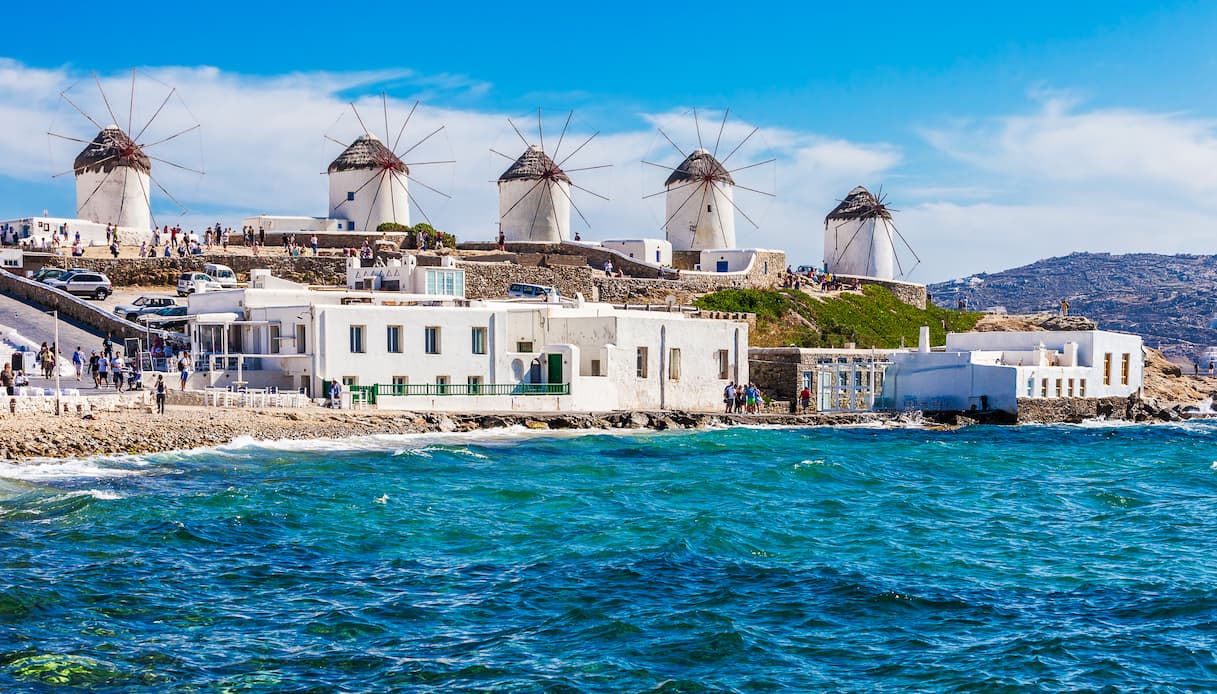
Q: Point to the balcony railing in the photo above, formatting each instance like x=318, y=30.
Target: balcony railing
x=472, y=389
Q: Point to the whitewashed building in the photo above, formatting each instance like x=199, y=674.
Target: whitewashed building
x=699, y=208
x=993, y=370
x=534, y=199
x=440, y=352
x=650, y=251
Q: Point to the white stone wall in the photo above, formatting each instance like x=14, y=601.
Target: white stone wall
x=543, y=212
x=704, y=220
x=294, y=223
x=862, y=247
x=385, y=200
x=123, y=197
x=653, y=251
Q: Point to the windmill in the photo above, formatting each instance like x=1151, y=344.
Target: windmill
x=860, y=238
x=535, y=191
x=114, y=171
x=370, y=180
x=700, y=190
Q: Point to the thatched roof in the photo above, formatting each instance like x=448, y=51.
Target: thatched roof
x=367, y=152
x=534, y=164
x=697, y=167
x=110, y=150
x=859, y=204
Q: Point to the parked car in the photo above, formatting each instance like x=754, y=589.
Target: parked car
x=142, y=305
x=191, y=282
x=52, y=273
x=222, y=274
x=84, y=283
x=168, y=314
x=530, y=291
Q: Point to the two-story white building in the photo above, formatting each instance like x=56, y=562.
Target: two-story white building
x=425, y=347
x=992, y=370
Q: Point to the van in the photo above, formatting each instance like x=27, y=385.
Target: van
x=191, y=282
x=222, y=274
x=531, y=291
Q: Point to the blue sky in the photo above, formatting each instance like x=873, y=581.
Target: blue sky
x=1002, y=135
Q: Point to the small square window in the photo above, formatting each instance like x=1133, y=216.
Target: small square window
x=479, y=340
x=350, y=196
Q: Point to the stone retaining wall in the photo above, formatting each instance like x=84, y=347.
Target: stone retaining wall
x=908, y=292
x=126, y=272
x=1073, y=410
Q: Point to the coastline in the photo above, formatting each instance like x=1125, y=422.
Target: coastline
x=183, y=427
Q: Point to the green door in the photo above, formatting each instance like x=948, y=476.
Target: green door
x=555, y=369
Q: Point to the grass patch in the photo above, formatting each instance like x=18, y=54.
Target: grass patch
x=874, y=318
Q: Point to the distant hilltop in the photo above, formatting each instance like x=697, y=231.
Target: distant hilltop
x=1167, y=299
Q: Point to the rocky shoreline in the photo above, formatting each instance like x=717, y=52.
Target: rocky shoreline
x=188, y=426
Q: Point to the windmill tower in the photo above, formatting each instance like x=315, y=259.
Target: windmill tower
x=700, y=204
x=699, y=192
x=534, y=199
x=860, y=238
x=368, y=185
x=113, y=177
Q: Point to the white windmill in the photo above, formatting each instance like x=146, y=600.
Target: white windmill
x=370, y=181
x=114, y=171
x=860, y=238
x=535, y=192
x=700, y=193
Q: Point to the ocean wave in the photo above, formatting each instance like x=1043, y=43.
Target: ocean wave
x=72, y=468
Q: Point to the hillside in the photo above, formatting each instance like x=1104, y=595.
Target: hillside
x=873, y=317
x=1167, y=299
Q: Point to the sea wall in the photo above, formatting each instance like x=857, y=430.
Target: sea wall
x=69, y=306
x=1074, y=410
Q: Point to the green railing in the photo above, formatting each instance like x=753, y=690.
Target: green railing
x=469, y=389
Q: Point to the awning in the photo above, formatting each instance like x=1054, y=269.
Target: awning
x=214, y=318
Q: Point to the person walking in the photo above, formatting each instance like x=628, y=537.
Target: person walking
x=103, y=371
x=313, y=242
x=336, y=394
x=805, y=398
x=729, y=397
x=160, y=389
x=78, y=362
x=7, y=379
x=183, y=368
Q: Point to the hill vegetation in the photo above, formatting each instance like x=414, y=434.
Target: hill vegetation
x=872, y=318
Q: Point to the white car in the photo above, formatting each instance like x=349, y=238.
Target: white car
x=191, y=282
x=142, y=305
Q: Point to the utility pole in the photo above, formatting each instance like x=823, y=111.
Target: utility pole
x=55, y=356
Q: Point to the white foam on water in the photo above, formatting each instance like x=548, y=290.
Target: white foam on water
x=74, y=468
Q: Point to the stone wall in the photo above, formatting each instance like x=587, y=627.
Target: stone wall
x=908, y=292
x=1073, y=410
x=125, y=272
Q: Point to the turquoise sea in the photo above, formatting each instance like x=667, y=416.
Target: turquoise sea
x=1029, y=558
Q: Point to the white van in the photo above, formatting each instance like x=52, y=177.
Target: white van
x=531, y=291
x=222, y=274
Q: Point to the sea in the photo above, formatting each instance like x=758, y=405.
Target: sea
x=1029, y=558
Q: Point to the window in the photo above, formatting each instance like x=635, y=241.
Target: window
x=445, y=282
x=1082, y=388
x=273, y=339
x=1058, y=387
x=596, y=368
x=674, y=364
x=350, y=195
x=357, y=339
x=1125, y=366
x=350, y=380
x=1107, y=369
x=431, y=339
x=475, y=385
x=393, y=339
x=441, y=383
x=1071, y=387
x=1044, y=388
x=301, y=331
x=479, y=340
x=642, y=362
x=524, y=346
x=724, y=363
x=399, y=384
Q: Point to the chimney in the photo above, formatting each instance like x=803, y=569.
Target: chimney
x=923, y=339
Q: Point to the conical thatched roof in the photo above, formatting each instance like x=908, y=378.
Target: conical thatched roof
x=367, y=152
x=697, y=166
x=110, y=150
x=534, y=164
x=859, y=204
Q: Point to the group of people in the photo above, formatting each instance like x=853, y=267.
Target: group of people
x=744, y=398
x=817, y=279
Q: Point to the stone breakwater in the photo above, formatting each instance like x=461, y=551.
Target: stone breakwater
x=182, y=427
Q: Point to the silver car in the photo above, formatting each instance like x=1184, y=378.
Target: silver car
x=84, y=283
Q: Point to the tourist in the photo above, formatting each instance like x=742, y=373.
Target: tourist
x=103, y=371
x=93, y=359
x=805, y=398
x=7, y=379
x=224, y=239
x=261, y=236
x=160, y=394
x=608, y=268
x=183, y=367
x=313, y=242
x=78, y=362
x=336, y=394
x=739, y=398
x=502, y=241
x=729, y=397
x=107, y=346
x=114, y=248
